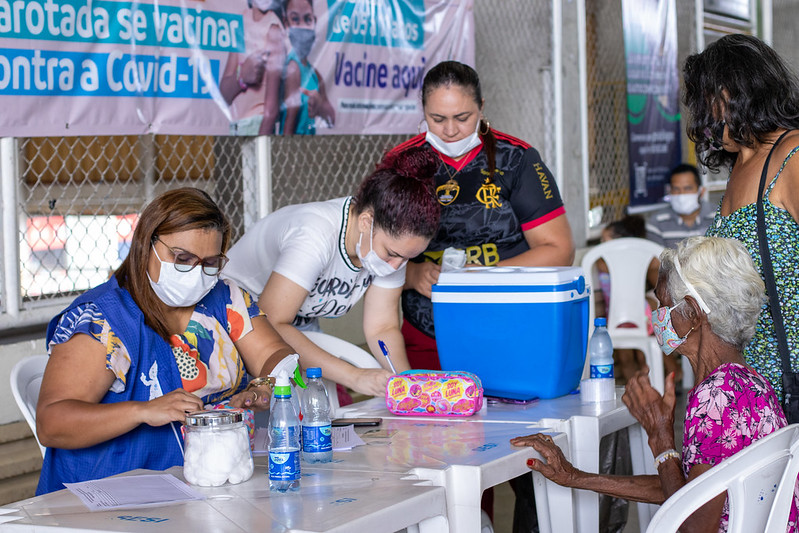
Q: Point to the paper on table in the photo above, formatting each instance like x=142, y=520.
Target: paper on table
x=132, y=491
x=345, y=438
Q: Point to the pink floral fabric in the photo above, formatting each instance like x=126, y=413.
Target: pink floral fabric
x=733, y=407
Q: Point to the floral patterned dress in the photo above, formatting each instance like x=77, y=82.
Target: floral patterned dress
x=783, y=238
x=733, y=407
x=206, y=356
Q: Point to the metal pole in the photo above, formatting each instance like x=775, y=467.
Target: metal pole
x=9, y=176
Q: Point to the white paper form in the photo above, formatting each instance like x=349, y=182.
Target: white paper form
x=344, y=438
x=133, y=492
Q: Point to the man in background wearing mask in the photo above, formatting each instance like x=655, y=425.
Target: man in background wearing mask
x=685, y=216
x=302, y=88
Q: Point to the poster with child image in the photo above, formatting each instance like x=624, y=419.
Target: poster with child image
x=223, y=67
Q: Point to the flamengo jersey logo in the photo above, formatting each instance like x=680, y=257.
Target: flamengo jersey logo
x=488, y=195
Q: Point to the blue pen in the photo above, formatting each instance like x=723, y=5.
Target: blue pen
x=384, y=348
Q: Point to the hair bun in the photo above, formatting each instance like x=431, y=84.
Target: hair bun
x=418, y=162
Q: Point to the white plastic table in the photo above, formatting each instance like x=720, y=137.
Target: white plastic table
x=329, y=500
x=464, y=458
x=584, y=425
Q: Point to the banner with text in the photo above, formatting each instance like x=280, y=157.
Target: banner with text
x=223, y=67
x=653, y=96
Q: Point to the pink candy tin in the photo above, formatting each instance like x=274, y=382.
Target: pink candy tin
x=434, y=393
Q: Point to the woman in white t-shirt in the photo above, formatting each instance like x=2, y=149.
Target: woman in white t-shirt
x=318, y=259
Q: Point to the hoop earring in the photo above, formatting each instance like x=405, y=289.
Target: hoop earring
x=487, y=125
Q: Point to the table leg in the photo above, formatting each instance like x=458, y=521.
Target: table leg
x=642, y=463
x=463, y=502
x=584, y=448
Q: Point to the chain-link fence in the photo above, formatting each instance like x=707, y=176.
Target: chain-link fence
x=607, y=109
x=79, y=199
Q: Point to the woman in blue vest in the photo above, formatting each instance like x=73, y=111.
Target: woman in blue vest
x=163, y=337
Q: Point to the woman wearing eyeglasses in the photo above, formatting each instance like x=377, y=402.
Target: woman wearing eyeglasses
x=163, y=337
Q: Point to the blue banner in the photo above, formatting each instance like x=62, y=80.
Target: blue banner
x=653, y=96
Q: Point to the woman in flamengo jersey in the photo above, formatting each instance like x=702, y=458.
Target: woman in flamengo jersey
x=499, y=201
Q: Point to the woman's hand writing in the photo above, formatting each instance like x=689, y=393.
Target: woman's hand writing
x=171, y=407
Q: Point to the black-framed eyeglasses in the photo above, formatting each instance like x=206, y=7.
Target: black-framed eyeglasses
x=186, y=261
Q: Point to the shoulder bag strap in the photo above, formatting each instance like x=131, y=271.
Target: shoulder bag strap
x=768, y=269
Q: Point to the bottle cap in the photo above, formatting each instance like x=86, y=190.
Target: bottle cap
x=600, y=321
x=282, y=391
x=313, y=372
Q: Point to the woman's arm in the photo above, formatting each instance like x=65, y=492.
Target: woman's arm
x=76, y=379
x=291, y=98
x=281, y=299
x=550, y=244
x=326, y=110
x=381, y=321
x=275, y=57
x=655, y=412
x=260, y=349
x=556, y=468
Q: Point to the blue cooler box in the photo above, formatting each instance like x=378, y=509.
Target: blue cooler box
x=522, y=330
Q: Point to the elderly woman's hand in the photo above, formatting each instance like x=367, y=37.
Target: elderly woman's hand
x=653, y=411
x=556, y=468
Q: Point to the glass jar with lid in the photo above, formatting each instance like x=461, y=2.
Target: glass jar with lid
x=216, y=448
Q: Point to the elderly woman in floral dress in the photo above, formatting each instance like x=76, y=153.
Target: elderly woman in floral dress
x=730, y=406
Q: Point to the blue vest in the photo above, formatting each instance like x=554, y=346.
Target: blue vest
x=152, y=372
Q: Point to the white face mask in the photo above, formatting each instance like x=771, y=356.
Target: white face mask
x=372, y=262
x=684, y=204
x=181, y=289
x=456, y=148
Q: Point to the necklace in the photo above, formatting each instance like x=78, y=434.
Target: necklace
x=448, y=192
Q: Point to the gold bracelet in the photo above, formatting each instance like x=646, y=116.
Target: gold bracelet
x=665, y=456
x=257, y=382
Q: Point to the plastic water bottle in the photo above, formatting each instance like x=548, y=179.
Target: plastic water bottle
x=600, y=350
x=317, y=446
x=284, y=442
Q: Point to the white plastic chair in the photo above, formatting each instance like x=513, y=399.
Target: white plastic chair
x=759, y=481
x=343, y=350
x=26, y=379
x=627, y=260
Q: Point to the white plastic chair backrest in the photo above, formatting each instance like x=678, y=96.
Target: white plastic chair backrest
x=627, y=260
x=783, y=501
x=751, y=478
x=344, y=350
x=26, y=379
